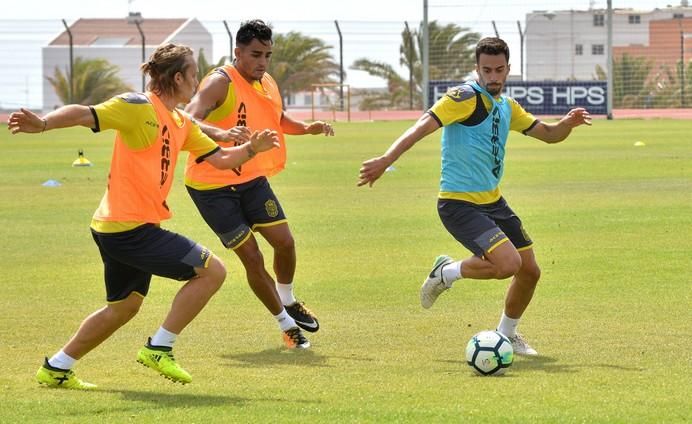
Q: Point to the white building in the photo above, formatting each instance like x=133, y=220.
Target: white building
x=119, y=42
x=568, y=44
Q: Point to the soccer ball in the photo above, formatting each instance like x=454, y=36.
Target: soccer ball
x=489, y=353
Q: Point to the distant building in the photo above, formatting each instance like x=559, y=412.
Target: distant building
x=569, y=44
x=670, y=41
x=119, y=42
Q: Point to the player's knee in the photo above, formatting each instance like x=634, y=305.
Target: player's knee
x=253, y=260
x=216, y=272
x=508, y=267
x=123, y=311
x=530, y=272
x=285, y=244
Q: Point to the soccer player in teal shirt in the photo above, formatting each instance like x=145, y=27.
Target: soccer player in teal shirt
x=476, y=120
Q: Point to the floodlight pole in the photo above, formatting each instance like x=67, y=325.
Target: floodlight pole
x=610, y=61
x=426, y=63
x=497, y=34
x=341, y=66
x=136, y=18
x=682, y=63
x=141, y=34
x=230, y=41
x=521, y=51
x=70, y=93
x=410, y=66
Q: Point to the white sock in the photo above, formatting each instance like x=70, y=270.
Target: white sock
x=163, y=337
x=285, y=293
x=285, y=321
x=451, y=273
x=62, y=360
x=508, y=326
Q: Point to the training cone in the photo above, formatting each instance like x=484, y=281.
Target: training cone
x=81, y=160
x=639, y=144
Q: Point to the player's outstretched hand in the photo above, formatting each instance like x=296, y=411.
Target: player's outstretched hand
x=238, y=134
x=577, y=116
x=372, y=169
x=320, y=127
x=25, y=121
x=264, y=140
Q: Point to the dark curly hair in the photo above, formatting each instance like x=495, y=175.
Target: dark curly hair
x=254, y=29
x=493, y=46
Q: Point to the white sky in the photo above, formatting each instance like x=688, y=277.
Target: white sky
x=297, y=10
x=20, y=42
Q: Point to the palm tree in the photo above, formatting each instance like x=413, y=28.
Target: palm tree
x=667, y=88
x=452, y=50
x=204, y=67
x=298, y=61
x=635, y=85
x=95, y=81
x=452, y=56
x=630, y=76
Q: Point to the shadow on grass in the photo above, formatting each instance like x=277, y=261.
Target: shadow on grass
x=138, y=401
x=544, y=363
x=166, y=400
x=279, y=356
x=549, y=364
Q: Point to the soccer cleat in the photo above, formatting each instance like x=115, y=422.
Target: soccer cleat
x=434, y=284
x=59, y=378
x=295, y=339
x=303, y=316
x=521, y=347
x=160, y=359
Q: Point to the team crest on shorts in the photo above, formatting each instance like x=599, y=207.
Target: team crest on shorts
x=271, y=208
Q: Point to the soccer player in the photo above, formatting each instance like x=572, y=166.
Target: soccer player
x=238, y=98
x=150, y=132
x=476, y=120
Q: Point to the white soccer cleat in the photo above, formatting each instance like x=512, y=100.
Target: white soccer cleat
x=521, y=347
x=434, y=284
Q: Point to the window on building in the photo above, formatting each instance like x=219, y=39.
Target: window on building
x=578, y=49
x=635, y=19
x=597, y=49
x=598, y=20
x=678, y=15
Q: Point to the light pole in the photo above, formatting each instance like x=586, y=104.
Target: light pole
x=683, y=35
x=70, y=95
x=409, y=36
x=136, y=18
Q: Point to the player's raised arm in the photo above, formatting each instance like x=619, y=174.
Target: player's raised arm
x=237, y=134
x=372, y=169
x=558, y=131
x=26, y=121
x=233, y=157
x=295, y=127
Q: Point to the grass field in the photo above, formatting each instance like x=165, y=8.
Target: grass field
x=611, y=318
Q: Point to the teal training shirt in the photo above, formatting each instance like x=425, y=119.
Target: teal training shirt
x=473, y=153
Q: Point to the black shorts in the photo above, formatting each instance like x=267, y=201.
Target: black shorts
x=481, y=228
x=131, y=257
x=232, y=212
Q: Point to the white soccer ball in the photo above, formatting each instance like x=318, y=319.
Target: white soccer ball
x=489, y=353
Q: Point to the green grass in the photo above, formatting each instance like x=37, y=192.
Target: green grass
x=612, y=226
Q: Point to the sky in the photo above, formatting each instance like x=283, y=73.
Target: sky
x=298, y=10
x=28, y=25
